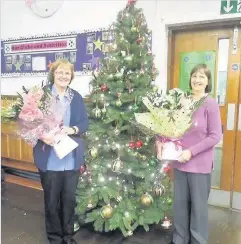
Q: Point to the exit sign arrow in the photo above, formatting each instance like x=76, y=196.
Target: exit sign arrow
x=229, y=6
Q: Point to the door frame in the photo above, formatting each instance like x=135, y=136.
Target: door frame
x=218, y=194
x=199, y=25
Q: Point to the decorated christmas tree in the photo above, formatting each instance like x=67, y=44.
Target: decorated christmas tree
x=122, y=185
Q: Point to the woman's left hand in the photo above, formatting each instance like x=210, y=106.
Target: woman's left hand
x=67, y=130
x=185, y=156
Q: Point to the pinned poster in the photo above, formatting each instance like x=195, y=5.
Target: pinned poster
x=189, y=59
x=39, y=63
x=33, y=55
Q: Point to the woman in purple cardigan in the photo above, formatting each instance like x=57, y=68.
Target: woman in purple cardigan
x=192, y=172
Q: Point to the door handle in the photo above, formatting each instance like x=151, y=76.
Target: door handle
x=239, y=118
x=231, y=116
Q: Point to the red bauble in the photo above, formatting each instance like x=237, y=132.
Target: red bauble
x=82, y=169
x=167, y=169
x=132, y=145
x=139, y=144
x=103, y=87
x=131, y=2
x=139, y=40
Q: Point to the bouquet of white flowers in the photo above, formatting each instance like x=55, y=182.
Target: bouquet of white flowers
x=169, y=118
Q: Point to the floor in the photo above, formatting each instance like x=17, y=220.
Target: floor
x=23, y=223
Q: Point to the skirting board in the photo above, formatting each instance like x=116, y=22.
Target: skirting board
x=237, y=201
x=221, y=198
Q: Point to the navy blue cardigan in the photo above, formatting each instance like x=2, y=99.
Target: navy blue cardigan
x=79, y=118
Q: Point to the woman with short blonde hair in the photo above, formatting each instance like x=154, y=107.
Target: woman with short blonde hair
x=59, y=177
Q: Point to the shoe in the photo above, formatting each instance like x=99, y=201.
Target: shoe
x=70, y=241
x=171, y=242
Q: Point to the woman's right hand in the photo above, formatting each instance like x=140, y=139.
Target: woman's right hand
x=48, y=139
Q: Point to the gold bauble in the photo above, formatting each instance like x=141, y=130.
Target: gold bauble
x=93, y=152
x=133, y=29
x=146, y=200
x=118, y=103
x=106, y=212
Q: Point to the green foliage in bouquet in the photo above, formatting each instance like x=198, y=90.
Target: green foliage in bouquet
x=170, y=114
x=12, y=111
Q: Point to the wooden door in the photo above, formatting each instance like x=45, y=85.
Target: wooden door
x=236, y=194
x=220, y=48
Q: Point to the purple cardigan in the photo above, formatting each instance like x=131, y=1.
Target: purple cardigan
x=204, y=134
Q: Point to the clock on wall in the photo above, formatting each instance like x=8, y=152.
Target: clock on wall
x=44, y=9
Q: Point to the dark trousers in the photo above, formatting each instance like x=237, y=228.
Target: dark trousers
x=191, y=192
x=60, y=200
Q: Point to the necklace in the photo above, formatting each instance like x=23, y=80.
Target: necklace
x=199, y=98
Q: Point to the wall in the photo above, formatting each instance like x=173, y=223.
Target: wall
x=75, y=15
x=18, y=20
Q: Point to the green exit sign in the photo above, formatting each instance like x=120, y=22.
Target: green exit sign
x=230, y=6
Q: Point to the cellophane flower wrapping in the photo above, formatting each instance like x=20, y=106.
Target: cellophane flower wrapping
x=41, y=114
x=169, y=117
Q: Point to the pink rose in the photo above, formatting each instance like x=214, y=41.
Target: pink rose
x=30, y=112
x=37, y=93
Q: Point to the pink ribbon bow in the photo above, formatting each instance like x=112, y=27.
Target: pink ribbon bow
x=162, y=140
x=177, y=142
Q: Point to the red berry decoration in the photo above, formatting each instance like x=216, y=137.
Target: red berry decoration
x=167, y=169
x=82, y=169
x=103, y=87
x=132, y=145
x=139, y=144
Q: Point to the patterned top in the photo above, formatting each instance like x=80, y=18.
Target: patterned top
x=66, y=163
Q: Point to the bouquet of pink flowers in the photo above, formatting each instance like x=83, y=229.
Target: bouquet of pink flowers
x=39, y=114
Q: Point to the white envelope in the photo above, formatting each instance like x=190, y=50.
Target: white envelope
x=170, y=151
x=64, y=145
